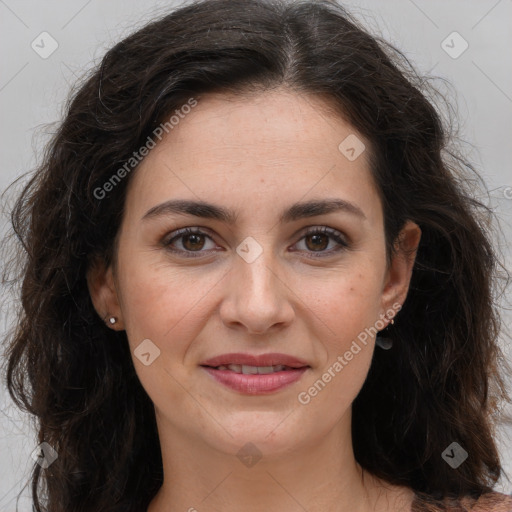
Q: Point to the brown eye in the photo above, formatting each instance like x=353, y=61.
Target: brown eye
x=316, y=240
x=187, y=242
x=319, y=241
x=193, y=242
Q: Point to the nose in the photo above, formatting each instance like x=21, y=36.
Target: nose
x=257, y=297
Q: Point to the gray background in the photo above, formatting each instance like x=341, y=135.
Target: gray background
x=33, y=91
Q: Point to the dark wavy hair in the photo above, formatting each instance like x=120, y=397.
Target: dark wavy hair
x=441, y=382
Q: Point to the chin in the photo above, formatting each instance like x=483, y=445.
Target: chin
x=265, y=433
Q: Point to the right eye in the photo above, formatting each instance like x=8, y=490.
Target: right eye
x=192, y=241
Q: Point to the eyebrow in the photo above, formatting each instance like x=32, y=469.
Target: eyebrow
x=211, y=211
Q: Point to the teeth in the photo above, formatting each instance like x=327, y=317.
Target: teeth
x=253, y=370
x=265, y=369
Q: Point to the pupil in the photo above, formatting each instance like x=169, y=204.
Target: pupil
x=197, y=241
x=316, y=237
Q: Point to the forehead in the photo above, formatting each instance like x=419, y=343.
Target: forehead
x=289, y=123
x=279, y=145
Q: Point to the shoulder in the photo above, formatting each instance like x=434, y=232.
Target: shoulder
x=487, y=502
x=490, y=502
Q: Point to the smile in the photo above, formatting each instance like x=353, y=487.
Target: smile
x=255, y=380
x=254, y=370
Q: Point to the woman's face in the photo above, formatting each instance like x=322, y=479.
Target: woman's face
x=256, y=282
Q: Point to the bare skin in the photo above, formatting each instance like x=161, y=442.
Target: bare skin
x=303, y=296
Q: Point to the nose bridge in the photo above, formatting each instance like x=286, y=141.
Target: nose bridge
x=257, y=274
x=258, y=298
x=258, y=281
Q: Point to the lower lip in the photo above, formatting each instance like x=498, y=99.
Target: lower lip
x=256, y=384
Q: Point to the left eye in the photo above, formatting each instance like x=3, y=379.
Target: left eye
x=316, y=240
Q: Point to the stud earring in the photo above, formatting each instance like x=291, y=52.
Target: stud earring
x=112, y=320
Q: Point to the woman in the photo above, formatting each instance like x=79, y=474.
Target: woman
x=248, y=256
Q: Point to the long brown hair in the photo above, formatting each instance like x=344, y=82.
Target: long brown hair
x=439, y=384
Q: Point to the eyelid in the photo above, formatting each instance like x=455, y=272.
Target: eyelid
x=179, y=233
x=332, y=233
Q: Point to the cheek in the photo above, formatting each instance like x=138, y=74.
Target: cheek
x=167, y=307
x=346, y=302
x=160, y=301
x=350, y=309
x=163, y=304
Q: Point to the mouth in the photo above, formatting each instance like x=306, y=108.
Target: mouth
x=253, y=370
x=255, y=375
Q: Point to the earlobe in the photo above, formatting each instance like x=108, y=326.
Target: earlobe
x=102, y=289
x=398, y=276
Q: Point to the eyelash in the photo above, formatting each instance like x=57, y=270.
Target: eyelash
x=335, y=235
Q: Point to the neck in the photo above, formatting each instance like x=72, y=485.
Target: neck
x=320, y=477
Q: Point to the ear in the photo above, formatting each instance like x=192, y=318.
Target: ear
x=102, y=289
x=398, y=275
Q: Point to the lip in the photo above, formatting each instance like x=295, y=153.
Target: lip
x=271, y=359
x=256, y=384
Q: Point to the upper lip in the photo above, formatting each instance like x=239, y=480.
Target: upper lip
x=273, y=359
